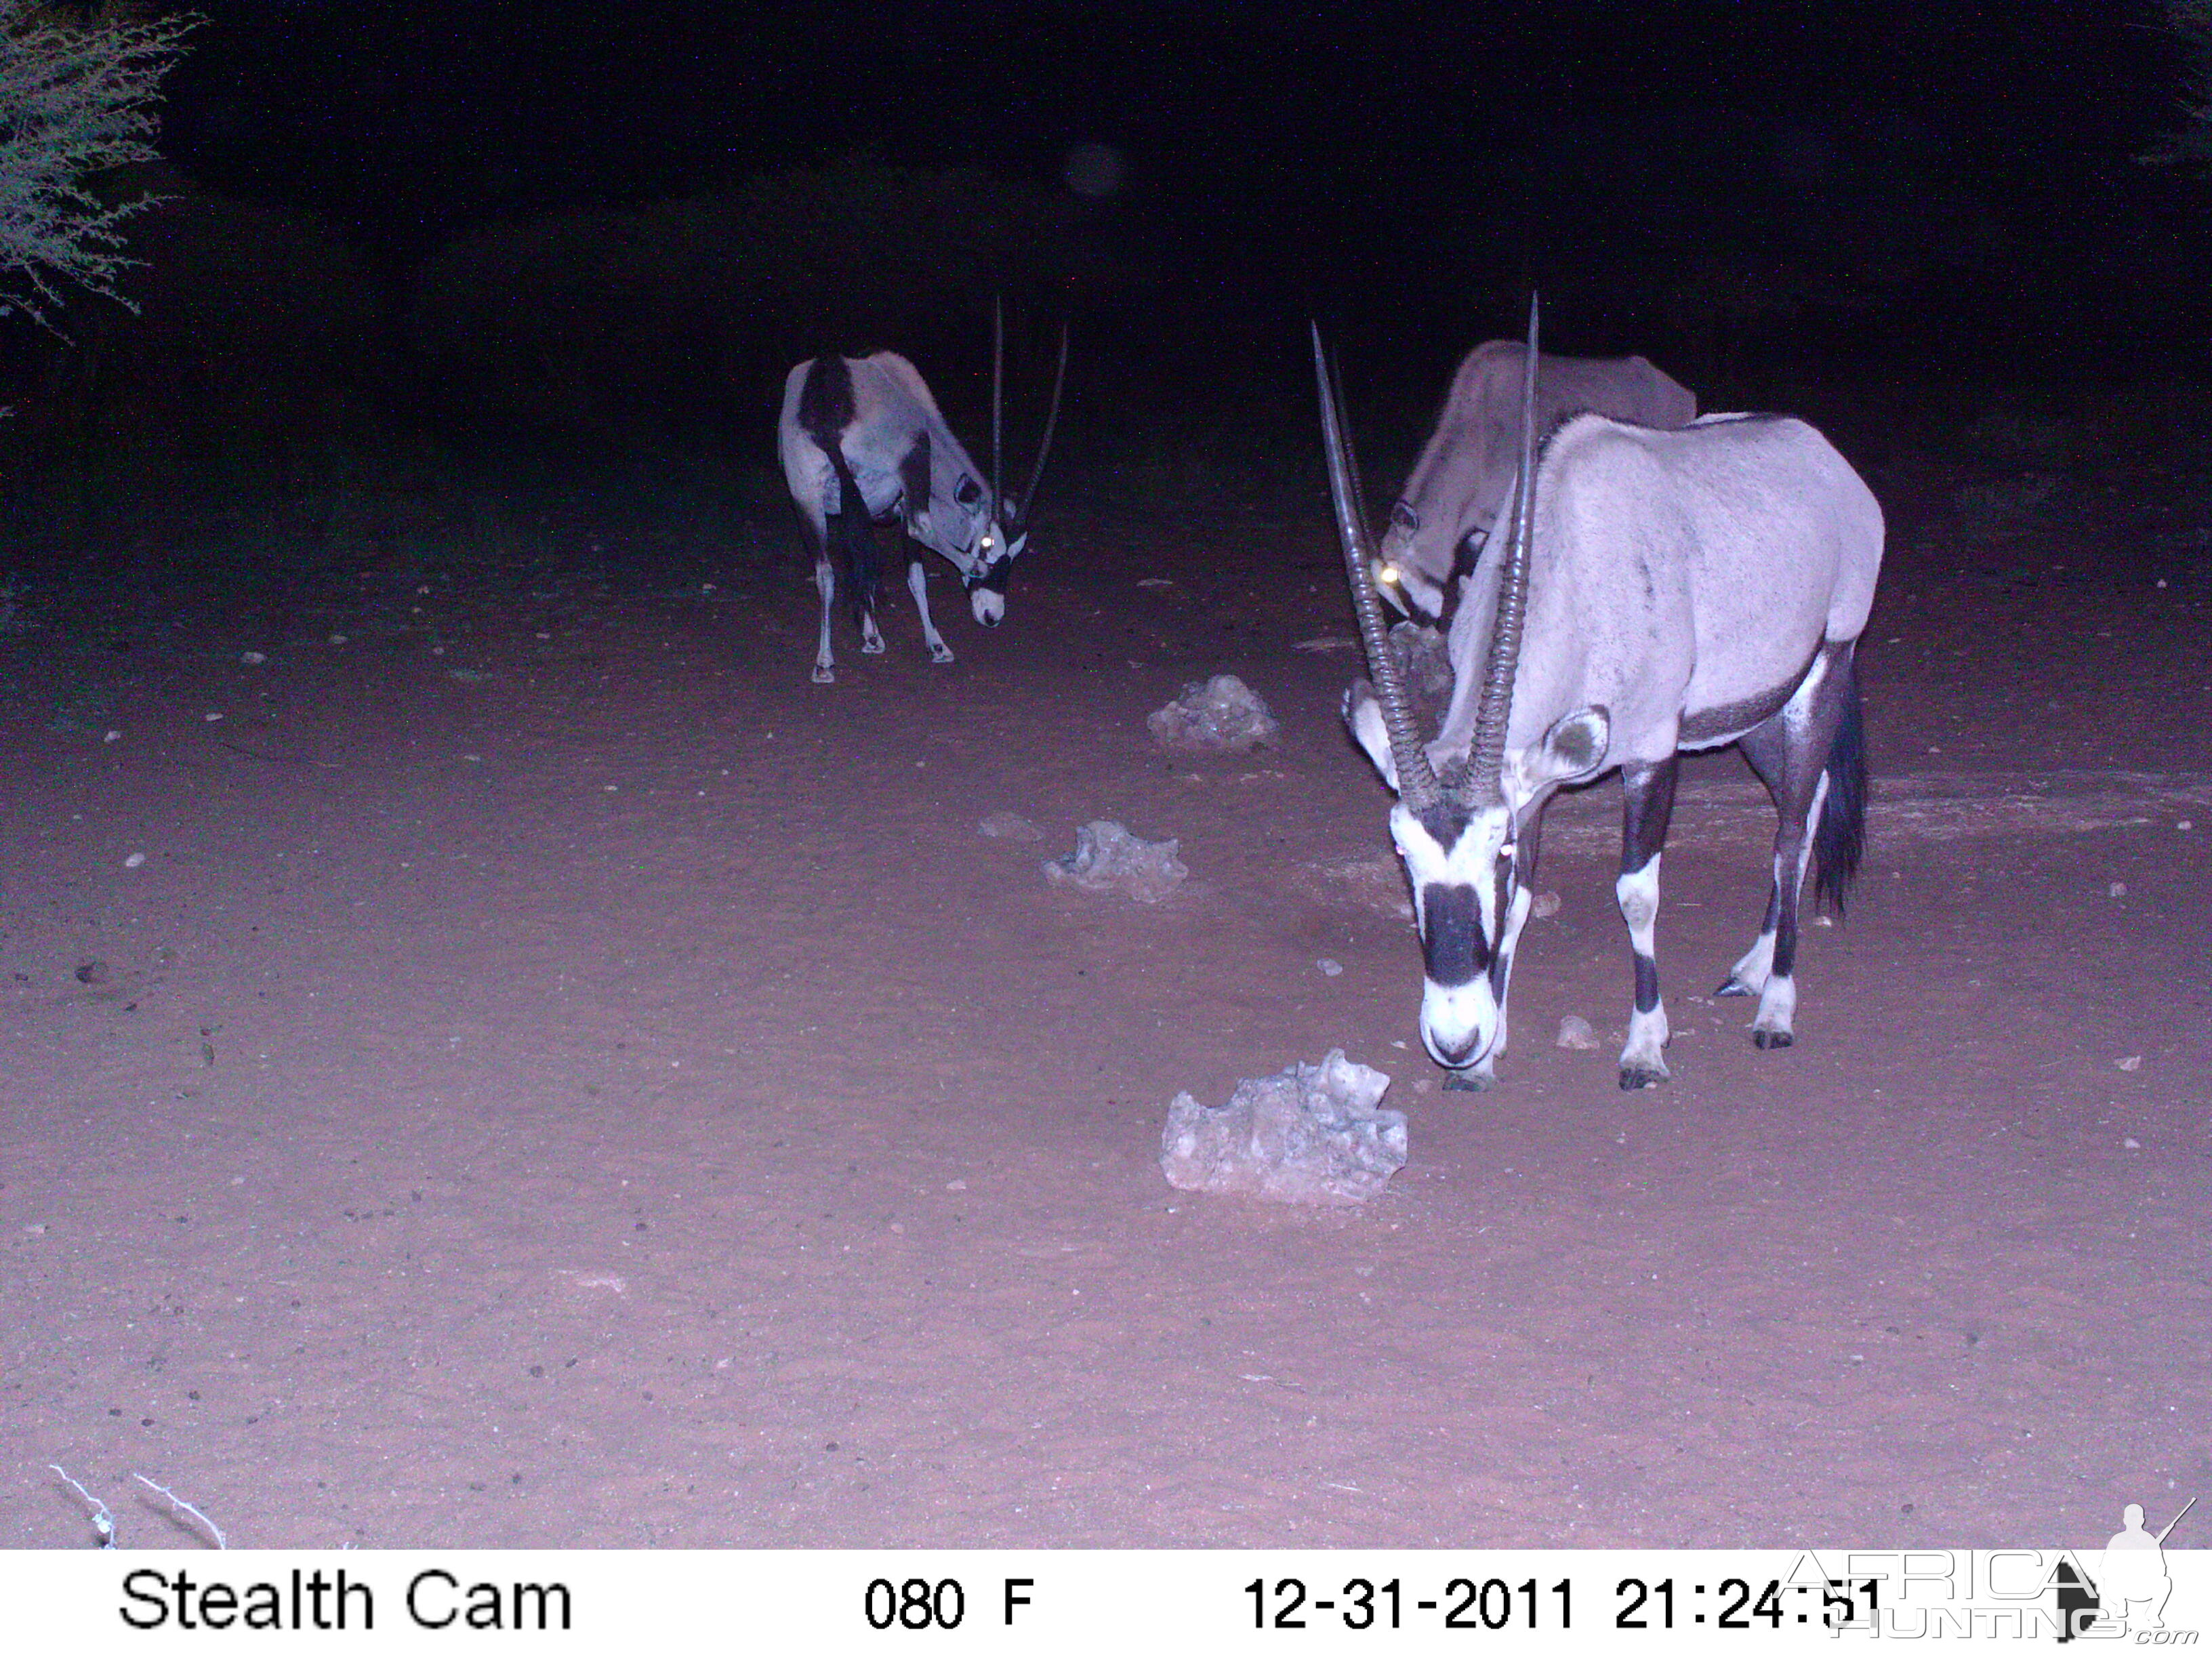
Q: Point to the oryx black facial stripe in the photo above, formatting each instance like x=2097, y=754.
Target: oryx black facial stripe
x=1452, y=942
x=993, y=577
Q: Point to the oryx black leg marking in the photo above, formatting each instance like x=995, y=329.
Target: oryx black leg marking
x=913, y=485
x=1790, y=752
x=1647, y=803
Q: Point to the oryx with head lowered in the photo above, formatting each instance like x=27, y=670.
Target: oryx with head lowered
x=862, y=442
x=1441, y=524
x=1659, y=591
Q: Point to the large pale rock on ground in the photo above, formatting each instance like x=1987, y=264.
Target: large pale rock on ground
x=1311, y=1134
x=1107, y=858
x=1224, y=716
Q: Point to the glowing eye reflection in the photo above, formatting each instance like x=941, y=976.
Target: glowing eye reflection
x=1391, y=574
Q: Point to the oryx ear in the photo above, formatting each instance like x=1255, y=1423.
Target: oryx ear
x=1018, y=546
x=1577, y=743
x=1362, y=716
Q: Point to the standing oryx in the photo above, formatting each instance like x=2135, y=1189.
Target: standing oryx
x=1662, y=591
x=862, y=442
x=1458, y=485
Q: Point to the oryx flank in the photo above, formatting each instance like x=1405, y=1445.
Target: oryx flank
x=1659, y=591
x=862, y=442
x=1441, y=523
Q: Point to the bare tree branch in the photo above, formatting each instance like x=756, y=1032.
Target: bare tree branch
x=77, y=101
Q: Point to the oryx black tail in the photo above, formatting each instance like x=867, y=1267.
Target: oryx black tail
x=1841, y=837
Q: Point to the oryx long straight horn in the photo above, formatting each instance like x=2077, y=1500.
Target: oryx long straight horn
x=1486, y=759
x=1417, y=783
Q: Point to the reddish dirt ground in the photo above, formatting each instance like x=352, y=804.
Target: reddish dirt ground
x=558, y=1077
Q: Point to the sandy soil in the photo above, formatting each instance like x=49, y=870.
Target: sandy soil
x=556, y=1076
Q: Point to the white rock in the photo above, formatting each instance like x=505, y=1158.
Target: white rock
x=1330, y=966
x=1543, y=905
x=134, y=861
x=2132, y=1063
x=1311, y=1134
x=1575, y=1032
x=1009, y=826
x=2117, y=890
x=1107, y=858
x=1222, y=716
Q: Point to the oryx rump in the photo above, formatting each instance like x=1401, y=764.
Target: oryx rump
x=862, y=442
x=1442, y=520
x=1659, y=591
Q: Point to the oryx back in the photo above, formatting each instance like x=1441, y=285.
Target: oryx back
x=1682, y=580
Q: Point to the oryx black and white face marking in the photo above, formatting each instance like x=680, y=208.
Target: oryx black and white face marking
x=990, y=565
x=1467, y=909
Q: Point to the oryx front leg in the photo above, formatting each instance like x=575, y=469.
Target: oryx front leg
x=1647, y=801
x=825, y=580
x=917, y=583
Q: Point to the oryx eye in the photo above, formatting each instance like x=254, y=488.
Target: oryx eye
x=1405, y=518
x=986, y=544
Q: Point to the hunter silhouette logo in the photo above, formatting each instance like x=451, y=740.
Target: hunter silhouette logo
x=2130, y=1589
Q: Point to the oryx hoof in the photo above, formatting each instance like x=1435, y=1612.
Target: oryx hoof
x=1771, y=1039
x=941, y=653
x=824, y=675
x=1470, y=1082
x=1643, y=1076
x=1733, y=987
x=871, y=647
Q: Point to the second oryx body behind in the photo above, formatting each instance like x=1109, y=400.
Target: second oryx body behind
x=1444, y=518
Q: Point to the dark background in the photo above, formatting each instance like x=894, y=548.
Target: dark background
x=492, y=238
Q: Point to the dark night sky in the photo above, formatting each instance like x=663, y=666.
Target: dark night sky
x=1282, y=159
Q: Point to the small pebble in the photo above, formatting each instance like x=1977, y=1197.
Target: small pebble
x=252, y=659
x=1575, y=1032
x=2117, y=890
x=2132, y=1063
x=2132, y=1143
x=338, y=639
x=112, y=737
x=134, y=861
x=1329, y=966
x=1545, y=904
x=2186, y=823
x=215, y=717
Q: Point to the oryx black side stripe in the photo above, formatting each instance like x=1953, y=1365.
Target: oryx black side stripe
x=1452, y=944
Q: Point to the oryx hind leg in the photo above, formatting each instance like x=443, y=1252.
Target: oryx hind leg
x=1790, y=752
x=917, y=583
x=1647, y=803
x=825, y=583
